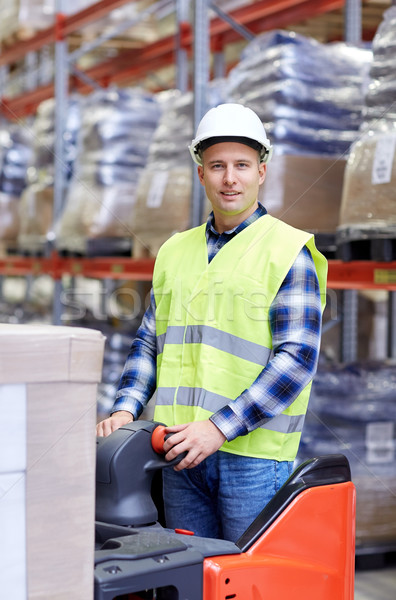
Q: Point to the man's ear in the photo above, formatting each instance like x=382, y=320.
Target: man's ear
x=201, y=174
x=262, y=172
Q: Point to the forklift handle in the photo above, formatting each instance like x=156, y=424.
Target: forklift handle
x=158, y=438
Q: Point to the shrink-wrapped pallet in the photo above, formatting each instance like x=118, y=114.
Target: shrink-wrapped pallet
x=15, y=154
x=117, y=127
x=48, y=384
x=36, y=207
x=162, y=208
x=35, y=216
x=304, y=191
x=9, y=221
x=308, y=95
x=352, y=411
x=164, y=194
x=32, y=15
x=367, y=223
x=379, y=101
x=9, y=19
x=369, y=193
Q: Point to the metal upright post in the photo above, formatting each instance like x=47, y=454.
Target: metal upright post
x=352, y=35
x=182, y=17
x=349, y=326
x=353, y=22
x=201, y=79
x=61, y=107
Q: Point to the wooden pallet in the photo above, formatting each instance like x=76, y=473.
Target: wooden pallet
x=109, y=246
x=380, y=249
x=374, y=557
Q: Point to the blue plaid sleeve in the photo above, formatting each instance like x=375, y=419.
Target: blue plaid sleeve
x=138, y=379
x=295, y=319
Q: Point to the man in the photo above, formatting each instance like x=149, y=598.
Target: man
x=230, y=340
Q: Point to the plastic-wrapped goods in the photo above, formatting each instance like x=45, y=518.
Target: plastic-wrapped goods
x=308, y=95
x=35, y=217
x=352, y=411
x=9, y=220
x=368, y=206
x=43, y=164
x=117, y=128
x=381, y=91
x=15, y=154
x=33, y=15
x=305, y=192
x=39, y=14
x=163, y=201
x=9, y=19
x=36, y=205
x=367, y=222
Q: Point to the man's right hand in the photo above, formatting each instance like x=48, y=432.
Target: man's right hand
x=117, y=420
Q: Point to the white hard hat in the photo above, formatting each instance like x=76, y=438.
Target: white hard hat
x=230, y=122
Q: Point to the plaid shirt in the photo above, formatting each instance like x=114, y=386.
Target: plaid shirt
x=295, y=319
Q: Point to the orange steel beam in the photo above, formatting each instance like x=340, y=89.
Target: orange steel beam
x=360, y=275
x=96, y=267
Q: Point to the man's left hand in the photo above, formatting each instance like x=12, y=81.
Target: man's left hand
x=199, y=439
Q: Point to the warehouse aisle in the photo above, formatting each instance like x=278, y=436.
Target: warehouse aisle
x=377, y=584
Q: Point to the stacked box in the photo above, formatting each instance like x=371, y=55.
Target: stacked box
x=304, y=191
x=48, y=383
x=368, y=214
x=163, y=200
x=117, y=127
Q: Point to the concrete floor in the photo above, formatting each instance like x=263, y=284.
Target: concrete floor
x=376, y=584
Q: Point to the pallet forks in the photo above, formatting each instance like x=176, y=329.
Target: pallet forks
x=301, y=546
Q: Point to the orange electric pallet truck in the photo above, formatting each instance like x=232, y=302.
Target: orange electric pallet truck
x=301, y=546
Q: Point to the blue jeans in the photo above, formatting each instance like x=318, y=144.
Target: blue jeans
x=223, y=495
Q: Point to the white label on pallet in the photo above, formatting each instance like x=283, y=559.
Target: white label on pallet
x=157, y=189
x=380, y=443
x=383, y=159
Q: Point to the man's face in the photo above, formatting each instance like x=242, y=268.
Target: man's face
x=231, y=174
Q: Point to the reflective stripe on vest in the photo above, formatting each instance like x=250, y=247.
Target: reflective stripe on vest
x=204, y=334
x=283, y=423
x=213, y=333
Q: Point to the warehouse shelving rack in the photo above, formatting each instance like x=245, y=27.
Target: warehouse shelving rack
x=261, y=15
x=196, y=40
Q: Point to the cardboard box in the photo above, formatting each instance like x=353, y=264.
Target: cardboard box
x=304, y=191
x=48, y=386
x=369, y=195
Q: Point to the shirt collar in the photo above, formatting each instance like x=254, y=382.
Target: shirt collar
x=259, y=212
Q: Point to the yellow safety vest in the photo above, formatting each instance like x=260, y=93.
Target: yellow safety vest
x=213, y=330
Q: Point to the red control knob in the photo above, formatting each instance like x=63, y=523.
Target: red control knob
x=158, y=439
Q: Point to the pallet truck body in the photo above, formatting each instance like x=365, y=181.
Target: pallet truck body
x=301, y=546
